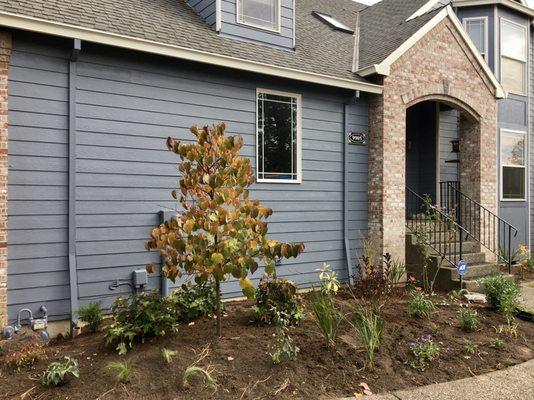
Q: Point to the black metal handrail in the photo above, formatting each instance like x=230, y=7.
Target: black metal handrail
x=434, y=227
x=481, y=224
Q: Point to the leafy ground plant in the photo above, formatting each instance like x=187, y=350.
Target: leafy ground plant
x=502, y=293
x=276, y=297
x=470, y=347
x=167, y=354
x=420, y=306
x=121, y=370
x=468, y=319
x=369, y=327
x=26, y=355
x=195, y=300
x=57, y=373
x=496, y=343
x=91, y=314
x=285, y=348
x=425, y=350
x=140, y=317
x=205, y=374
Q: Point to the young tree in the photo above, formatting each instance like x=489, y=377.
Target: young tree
x=221, y=230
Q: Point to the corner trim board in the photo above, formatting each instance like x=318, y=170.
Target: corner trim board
x=73, y=269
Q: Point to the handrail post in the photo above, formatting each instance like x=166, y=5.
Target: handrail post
x=509, y=249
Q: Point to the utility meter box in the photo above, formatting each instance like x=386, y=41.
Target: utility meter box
x=140, y=278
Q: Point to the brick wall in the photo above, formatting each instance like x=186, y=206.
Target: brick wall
x=439, y=67
x=5, y=54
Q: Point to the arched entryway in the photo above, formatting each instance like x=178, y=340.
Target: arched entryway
x=439, y=69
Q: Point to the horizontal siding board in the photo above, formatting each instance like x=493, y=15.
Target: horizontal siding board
x=125, y=110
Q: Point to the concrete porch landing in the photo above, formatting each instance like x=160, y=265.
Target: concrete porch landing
x=514, y=383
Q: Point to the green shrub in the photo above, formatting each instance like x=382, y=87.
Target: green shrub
x=91, y=314
x=420, y=306
x=56, y=373
x=502, y=293
x=468, y=319
x=195, y=301
x=369, y=327
x=275, y=297
x=325, y=316
x=140, y=317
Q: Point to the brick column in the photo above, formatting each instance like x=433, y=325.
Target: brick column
x=5, y=56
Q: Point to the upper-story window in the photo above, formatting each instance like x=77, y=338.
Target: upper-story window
x=477, y=29
x=513, y=57
x=264, y=14
x=513, y=166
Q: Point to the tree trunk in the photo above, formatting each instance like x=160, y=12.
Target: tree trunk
x=219, y=319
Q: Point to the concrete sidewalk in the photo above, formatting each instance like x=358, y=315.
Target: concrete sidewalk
x=514, y=383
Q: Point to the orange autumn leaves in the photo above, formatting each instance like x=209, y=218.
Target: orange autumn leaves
x=220, y=231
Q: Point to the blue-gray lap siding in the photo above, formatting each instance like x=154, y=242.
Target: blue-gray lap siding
x=284, y=38
x=126, y=106
x=207, y=9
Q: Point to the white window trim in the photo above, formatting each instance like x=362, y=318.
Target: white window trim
x=486, y=32
x=501, y=166
x=278, y=28
x=299, y=137
x=524, y=61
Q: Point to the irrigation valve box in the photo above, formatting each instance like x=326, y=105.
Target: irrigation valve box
x=140, y=278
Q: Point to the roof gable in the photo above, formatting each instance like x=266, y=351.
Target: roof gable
x=426, y=23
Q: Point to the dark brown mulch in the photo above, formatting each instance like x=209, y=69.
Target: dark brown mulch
x=244, y=370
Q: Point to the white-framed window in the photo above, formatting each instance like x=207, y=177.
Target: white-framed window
x=513, y=166
x=477, y=29
x=278, y=137
x=263, y=14
x=513, y=57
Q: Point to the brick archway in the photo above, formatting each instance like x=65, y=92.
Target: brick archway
x=439, y=67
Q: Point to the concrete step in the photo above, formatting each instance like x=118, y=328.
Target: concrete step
x=476, y=271
x=471, y=258
x=467, y=247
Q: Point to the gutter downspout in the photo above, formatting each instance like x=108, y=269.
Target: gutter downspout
x=73, y=273
x=352, y=100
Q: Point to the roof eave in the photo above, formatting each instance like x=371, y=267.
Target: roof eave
x=147, y=46
x=384, y=67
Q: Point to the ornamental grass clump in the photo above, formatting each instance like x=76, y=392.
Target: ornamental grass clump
x=369, y=327
x=221, y=230
x=91, y=314
x=325, y=315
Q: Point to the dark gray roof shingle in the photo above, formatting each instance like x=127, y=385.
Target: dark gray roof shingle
x=320, y=49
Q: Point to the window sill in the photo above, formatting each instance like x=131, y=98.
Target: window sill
x=284, y=181
x=260, y=28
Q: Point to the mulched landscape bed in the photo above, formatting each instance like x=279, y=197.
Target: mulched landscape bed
x=243, y=368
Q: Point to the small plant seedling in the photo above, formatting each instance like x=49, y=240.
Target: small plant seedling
x=326, y=317
x=496, y=343
x=56, y=373
x=470, y=347
x=425, y=350
x=121, y=370
x=420, y=306
x=91, y=314
x=468, y=319
x=167, y=354
x=203, y=373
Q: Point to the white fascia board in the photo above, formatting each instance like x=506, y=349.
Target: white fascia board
x=521, y=7
x=147, y=46
x=424, y=9
x=384, y=67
